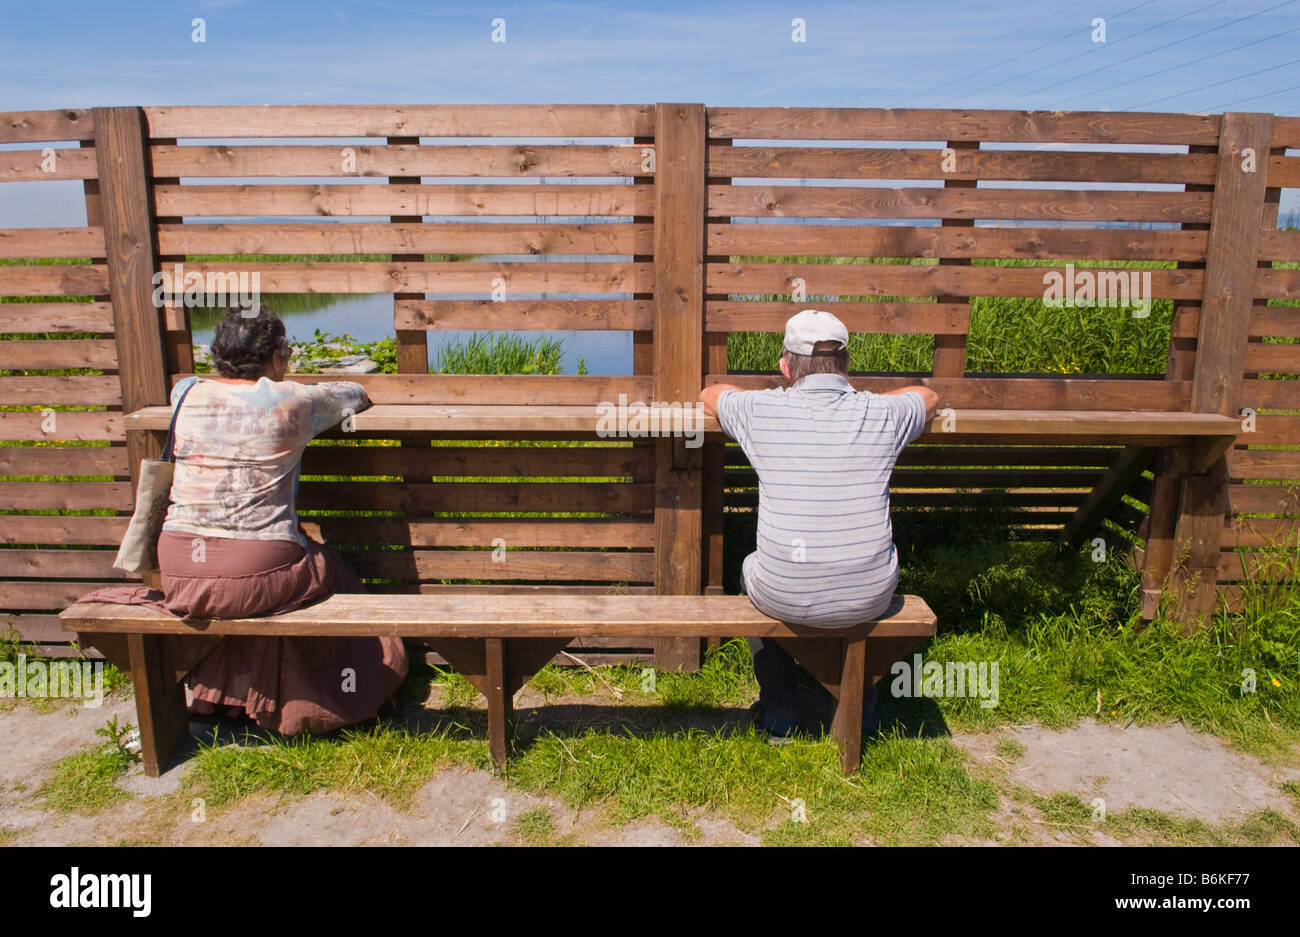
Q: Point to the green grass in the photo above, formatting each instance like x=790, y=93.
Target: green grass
x=535, y=827
x=1145, y=827
x=86, y=782
x=387, y=762
x=1007, y=335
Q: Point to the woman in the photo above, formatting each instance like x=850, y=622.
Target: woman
x=231, y=545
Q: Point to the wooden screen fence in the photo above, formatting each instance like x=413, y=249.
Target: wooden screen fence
x=681, y=225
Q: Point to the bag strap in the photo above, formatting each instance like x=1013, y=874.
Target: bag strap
x=168, y=453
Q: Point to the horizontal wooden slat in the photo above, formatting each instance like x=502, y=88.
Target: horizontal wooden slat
x=1278, y=283
x=415, y=463
x=22, y=595
x=1264, y=499
x=1095, y=205
x=450, y=120
x=516, y=616
x=576, y=419
x=451, y=277
x=65, y=495
x=904, y=477
x=40, y=166
x=1283, y=171
x=791, y=162
x=1032, y=501
x=505, y=588
x=845, y=123
x=502, y=160
x=41, y=629
x=362, y=237
x=1279, y=245
x=479, y=389
x=60, y=391
x=38, y=354
x=1235, y=566
x=482, y=532
x=52, y=242
x=1274, y=357
x=55, y=529
x=63, y=460
x=1006, y=455
x=1277, y=465
x=56, y=317
x=1271, y=394
x=1286, y=132
x=69, y=426
x=1012, y=393
x=363, y=199
x=59, y=564
x=517, y=564
x=456, y=497
x=1274, y=431
x=54, y=280
x=930, y=280
x=1261, y=532
x=46, y=126
x=486, y=315
x=885, y=317
x=1275, y=321
x=873, y=240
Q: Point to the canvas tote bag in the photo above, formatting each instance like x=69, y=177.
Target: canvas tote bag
x=139, y=550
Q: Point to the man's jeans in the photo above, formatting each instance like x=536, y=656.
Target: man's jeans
x=778, y=685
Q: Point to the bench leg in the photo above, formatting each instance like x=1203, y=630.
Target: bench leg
x=499, y=699
x=846, y=724
x=159, y=702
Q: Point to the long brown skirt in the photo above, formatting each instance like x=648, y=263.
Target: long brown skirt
x=286, y=684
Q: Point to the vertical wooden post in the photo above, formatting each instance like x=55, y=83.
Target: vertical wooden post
x=500, y=700
x=1236, y=220
x=715, y=362
x=1162, y=518
x=1182, y=351
x=177, y=337
x=125, y=205
x=159, y=702
x=680, y=207
x=950, y=350
x=412, y=344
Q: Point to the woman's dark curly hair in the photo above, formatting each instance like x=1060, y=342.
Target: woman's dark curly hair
x=245, y=344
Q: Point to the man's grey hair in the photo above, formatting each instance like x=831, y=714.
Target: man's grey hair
x=826, y=358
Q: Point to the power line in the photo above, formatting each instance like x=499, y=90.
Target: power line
x=1161, y=71
x=1031, y=51
x=1256, y=97
x=1215, y=84
x=985, y=46
x=1115, y=43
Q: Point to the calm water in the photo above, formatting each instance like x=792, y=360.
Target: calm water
x=369, y=317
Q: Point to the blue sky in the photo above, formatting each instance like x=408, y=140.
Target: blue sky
x=1036, y=54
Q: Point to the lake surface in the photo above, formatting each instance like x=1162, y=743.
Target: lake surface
x=369, y=318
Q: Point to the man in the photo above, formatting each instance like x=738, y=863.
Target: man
x=823, y=453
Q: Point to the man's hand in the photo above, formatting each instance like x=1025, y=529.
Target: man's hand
x=930, y=397
x=709, y=397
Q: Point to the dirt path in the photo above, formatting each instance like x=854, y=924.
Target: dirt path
x=1168, y=769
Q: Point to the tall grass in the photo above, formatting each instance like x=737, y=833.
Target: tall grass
x=1007, y=335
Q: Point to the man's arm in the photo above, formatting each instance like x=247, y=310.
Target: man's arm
x=930, y=397
x=709, y=397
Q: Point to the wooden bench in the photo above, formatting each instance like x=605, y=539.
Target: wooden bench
x=498, y=642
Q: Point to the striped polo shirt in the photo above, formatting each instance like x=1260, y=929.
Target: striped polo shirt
x=823, y=453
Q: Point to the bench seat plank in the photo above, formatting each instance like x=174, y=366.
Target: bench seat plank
x=506, y=419
x=505, y=616
x=497, y=642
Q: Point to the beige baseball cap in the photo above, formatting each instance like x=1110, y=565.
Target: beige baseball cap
x=807, y=328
